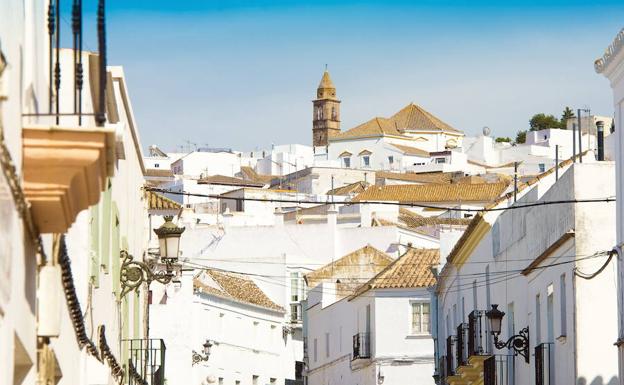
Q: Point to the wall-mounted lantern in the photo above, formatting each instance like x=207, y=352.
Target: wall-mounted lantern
x=518, y=342
x=197, y=358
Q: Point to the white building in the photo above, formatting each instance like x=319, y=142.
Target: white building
x=250, y=344
x=611, y=65
x=205, y=162
x=368, y=319
x=397, y=143
x=548, y=269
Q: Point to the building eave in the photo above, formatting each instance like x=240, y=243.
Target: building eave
x=549, y=251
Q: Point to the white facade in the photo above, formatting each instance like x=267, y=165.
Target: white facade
x=611, y=65
x=203, y=163
x=249, y=343
x=285, y=159
x=527, y=262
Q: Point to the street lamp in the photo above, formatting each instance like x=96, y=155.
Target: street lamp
x=133, y=273
x=169, y=240
x=518, y=342
x=197, y=358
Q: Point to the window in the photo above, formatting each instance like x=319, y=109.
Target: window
x=562, y=300
x=254, y=380
x=156, y=165
x=420, y=317
x=390, y=159
x=542, y=167
x=346, y=162
x=315, y=350
x=334, y=115
x=239, y=205
x=220, y=380
x=326, y=344
x=475, y=304
x=273, y=381
x=440, y=160
x=538, y=320
x=295, y=312
x=549, y=314
x=366, y=161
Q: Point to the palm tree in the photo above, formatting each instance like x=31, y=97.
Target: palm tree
x=567, y=114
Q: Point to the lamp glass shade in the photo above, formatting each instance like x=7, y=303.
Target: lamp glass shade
x=207, y=346
x=169, y=239
x=495, y=317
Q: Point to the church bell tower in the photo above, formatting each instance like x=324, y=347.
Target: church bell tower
x=326, y=110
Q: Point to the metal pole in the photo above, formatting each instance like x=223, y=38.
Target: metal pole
x=332, y=187
x=580, y=136
x=574, y=142
x=515, y=180
x=556, y=162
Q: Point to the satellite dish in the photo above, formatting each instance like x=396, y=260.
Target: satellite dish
x=486, y=131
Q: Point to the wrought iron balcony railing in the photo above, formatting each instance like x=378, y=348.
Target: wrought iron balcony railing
x=451, y=360
x=477, y=334
x=361, y=345
x=498, y=370
x=146, y=365
x=544, y=353
x=461, y=345
x=54, y=24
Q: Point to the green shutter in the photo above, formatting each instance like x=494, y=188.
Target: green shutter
x=106, y=230
x=116, y=259
x=95, y=245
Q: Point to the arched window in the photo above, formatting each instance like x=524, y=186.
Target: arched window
x=333, y=115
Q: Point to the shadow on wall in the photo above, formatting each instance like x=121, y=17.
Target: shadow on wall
x=597, y=381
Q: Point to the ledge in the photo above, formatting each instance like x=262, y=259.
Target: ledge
x=65, y=170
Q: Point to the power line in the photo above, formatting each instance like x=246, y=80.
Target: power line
x=389, y=203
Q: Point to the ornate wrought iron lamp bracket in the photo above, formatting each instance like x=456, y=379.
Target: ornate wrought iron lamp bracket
x=197, y=357
x=133, y=273
x=518, y=342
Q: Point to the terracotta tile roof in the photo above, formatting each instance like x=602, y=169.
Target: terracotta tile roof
x=478, y=218
x=248, y=173
x=352, y=270
x=503, y=165
x=412, y=219
x=411, y=270
x=374, y=127
x=453, y=192
x=409, y=118
x=426, y=177
x=353, y=188
x=228, y=181
x=156, y=201
x=415, y=118
x=314, y=210
x=235, y=287
x=158, y=172
x=408, y=150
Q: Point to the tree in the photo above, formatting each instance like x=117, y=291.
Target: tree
x=521, y=136
x=542, y=121
x=504, y=139
x=567, y=114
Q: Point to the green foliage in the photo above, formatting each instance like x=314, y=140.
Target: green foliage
x=567, y=114
x=542, y=121
x=521, y=136
x=504, y=139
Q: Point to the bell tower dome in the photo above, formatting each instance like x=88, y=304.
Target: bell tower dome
x=326, y=112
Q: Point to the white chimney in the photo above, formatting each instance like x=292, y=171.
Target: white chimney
x=227, y=217
x=332, y=216
x=278, y=217
x=366, y=215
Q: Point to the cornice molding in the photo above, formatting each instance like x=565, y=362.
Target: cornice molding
x=601, y=64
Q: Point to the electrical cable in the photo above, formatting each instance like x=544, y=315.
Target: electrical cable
x=390, y=203
x=580, y=274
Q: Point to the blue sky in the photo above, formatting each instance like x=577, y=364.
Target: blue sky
x=242, y=74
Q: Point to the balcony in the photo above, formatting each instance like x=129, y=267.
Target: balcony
x=361, y=346
x=65, y=170
x=498, y=370
x=146, y=365
x=543, y=356
x=467, y=351
x=67, y=151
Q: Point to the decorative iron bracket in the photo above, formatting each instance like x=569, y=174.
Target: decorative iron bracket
x=133, y=273
x=518, y=342
x=197, y=358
